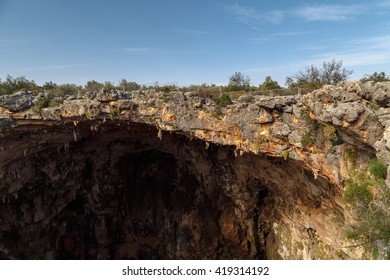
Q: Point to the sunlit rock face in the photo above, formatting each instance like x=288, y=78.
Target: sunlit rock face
x=138, y=176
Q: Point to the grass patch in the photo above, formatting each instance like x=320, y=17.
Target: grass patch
x=377, y=168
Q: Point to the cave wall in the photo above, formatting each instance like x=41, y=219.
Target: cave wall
x=128, y=191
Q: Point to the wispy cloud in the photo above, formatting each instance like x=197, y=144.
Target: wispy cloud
x=158, y=51
x=269, y=37
x=249, y=15
x=192, y=32
x=328, y=12
x=319, y=12
x=267, y=69
x=354, y=53
x=312, y=48
x=293, y=33
x=384, y=3
x=358, y=52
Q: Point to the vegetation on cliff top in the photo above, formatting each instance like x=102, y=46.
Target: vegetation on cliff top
x=311, y=78
x=332, y=72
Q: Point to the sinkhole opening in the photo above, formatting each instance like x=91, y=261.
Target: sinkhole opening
x=120, y=192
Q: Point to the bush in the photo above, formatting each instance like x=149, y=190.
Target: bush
x=11, y=85
x=371, y=210
x=376, y=77
x=378, y=168
x=307, y=139
x=332, y=72
x=358, y=191
x=224, y=100
x=42, y=103
x=351, y=156
x=165, y=97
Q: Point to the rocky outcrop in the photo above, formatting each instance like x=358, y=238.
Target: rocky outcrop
x=148, y=174
x=18, y=101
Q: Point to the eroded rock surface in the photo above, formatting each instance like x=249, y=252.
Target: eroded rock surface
x=148, y=175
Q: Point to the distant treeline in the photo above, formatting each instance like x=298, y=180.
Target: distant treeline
x=311, y=78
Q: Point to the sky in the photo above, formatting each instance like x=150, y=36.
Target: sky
x=189, y=42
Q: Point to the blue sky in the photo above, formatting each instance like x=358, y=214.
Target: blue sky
x=189, y=42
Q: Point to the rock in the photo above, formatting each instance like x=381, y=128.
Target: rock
x=381, y=94
x=103, y=96
x=383, y=115
x=18, y=101
x=265, y=116
x=277, y=102
x=246, y=98
x=281, y=130
x=348, y=112
x=295, y=139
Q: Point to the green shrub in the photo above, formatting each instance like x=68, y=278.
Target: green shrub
x=42, y=103
x=165, y=97
x=371, y=229
x=358, y=191
x=224, y=100
x=351, y=156
x=307, y=139
x=166, y=89
x=378, y=168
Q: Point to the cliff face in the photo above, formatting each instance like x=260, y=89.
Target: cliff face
x=154, y=175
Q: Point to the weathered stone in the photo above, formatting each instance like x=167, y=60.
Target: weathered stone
x=18, y=101
x=281, y=130
x=381, y=94
x=103, y=96
x=265, y=116
x=348, y=112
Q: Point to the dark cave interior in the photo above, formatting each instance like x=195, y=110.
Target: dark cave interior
x=117, y=191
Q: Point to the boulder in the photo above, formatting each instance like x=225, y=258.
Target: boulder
x=18, y=101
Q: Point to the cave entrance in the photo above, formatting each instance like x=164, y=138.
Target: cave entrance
x=122, y=193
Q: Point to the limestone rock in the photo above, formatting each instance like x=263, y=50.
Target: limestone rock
x=18, y=101
x=104, y=96
x=265, y=116
x=381, y=94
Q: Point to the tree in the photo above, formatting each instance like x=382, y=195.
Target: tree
x=269, y=84
x=128, y=86
x=108, y=86
x=49, y=85
x=376, y=77
x=332, y=72
x=11, y=85
x=93, y=86
x=238, y=81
